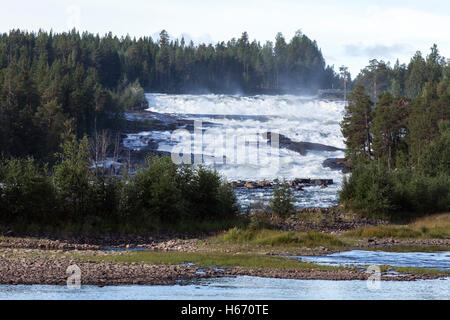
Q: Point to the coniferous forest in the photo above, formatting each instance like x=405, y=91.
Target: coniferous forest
x=397, y=131
x=82, y=83
x=57, y=91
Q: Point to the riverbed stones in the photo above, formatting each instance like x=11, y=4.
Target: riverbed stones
x=342, y=164
x=298, y=183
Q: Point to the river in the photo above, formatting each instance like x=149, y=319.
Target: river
x=229, y=117
x=232, y=127
x=241, y=288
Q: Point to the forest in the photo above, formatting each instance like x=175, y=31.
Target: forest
x=397, y=132
x=59, y=91
x=54, y=84
x=405, y=80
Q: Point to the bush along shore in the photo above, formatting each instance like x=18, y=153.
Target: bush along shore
x=75, y=196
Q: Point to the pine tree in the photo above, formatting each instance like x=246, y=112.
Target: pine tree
x=416, y=76
x=389, y=127
x=356, y=124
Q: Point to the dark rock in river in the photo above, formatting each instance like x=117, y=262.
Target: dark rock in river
x=301, y=147
x=298, y=183
x=338, y=164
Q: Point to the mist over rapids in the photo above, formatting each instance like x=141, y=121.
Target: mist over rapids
x=301, y=119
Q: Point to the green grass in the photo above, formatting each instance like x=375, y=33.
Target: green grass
x=414, y=270
x=431, y=227
x=210, y=260
x=280, y=238
x=384, y=232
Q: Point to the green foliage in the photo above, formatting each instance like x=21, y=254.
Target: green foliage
x=282, y=202
x=372, y=189
x=159, y=195
x=435, y=159
x=388, y=127
x=73, y=177
x=406, y=141
x=356, y=124
x=402, y=80
x=25, y=191
x=132, y=97
x=51, y=83
x=158, y=191
x=428, y=110
x=278, y=238
x=375, y=78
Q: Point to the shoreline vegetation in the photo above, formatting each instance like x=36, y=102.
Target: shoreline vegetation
x=155, y=260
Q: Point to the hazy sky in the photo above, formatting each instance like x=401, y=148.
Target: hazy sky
x=348, y=32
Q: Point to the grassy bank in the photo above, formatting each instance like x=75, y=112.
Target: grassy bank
x=278, y=238
x=413, y=270
x=210, y=260
x=430, y=227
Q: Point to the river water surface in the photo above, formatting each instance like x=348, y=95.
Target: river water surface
x=242, y=288
x=431, y=260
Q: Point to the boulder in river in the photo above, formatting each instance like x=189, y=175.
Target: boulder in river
x=337, y=164
x=301, y=146
x=298, y=183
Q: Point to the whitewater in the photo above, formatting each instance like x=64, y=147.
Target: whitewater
x=301, y=119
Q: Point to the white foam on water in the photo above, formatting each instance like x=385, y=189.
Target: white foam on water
x=232, y=117
x=298, y=118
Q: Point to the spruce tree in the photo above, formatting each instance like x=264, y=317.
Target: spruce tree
x=356, y=125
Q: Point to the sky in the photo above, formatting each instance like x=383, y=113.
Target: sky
x=348, y=32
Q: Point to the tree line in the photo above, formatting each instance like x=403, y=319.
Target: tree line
x=399, y=146
x=406, y=80
x=238, y=65
x=57, y=84
x=52, y=84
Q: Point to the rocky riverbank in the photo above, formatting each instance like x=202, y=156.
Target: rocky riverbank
x=106, y=243
x=329, y=220
x=37, y=270
x=32, y=266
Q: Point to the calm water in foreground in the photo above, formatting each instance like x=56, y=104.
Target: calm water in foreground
x=431, y=260
x=243, y=287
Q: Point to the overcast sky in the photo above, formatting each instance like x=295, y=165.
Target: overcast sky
x=348, y=32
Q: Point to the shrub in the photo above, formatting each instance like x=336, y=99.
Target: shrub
x=158, y=193
x=73, y=177
x=372, y=189
x=173, y=193
x=260, y=220
x=26, y=191
x=282, y=201
x=132, y=97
